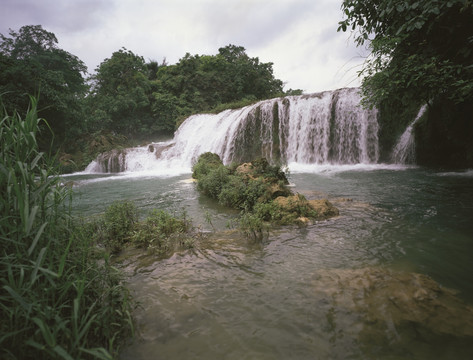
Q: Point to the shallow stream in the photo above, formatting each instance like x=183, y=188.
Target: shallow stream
x=390, y=278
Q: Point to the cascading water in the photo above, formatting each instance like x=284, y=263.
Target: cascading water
x=404, y=151
x=324, y=128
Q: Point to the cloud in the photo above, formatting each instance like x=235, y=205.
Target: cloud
x=63, y=16
x=298, y=36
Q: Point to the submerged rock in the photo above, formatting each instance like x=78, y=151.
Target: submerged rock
x=390, y=301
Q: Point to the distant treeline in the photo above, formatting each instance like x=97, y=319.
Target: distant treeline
x=126, y=95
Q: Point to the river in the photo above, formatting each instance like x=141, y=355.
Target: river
x=390, y=278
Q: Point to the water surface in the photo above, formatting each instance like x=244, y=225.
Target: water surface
x=390, y=278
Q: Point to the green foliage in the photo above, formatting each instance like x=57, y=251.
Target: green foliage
x=420, y=49
x=121, y=94
x=199, y=83
x=212, y=183
x=205, y=163
x=31, y=63
x=120, y=226
x=130, y=96
x=233, y=192
x=273, y=173
x=239, y=193
x=205, y=81
x=295, y=208
x=161, y=232
x=269, y=211
x=56, y=300
x=253, y=226
x=166, y=109
x=117, y=225
x=252, y=188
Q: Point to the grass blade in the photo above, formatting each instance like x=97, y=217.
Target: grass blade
x=36, y=238
x=63, y=353
x=47, y=335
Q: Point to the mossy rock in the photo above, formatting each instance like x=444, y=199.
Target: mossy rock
x=324, y=208
x=303, y=208
x=261, y=168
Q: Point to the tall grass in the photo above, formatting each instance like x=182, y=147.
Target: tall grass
x=57, y=300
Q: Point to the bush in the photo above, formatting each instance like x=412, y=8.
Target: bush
x=256, y=191
x=232, y=193
x=253, y=226
x=119, y=222
x=205, y=163
x=271, y=173
x=269, y=211
x=212, y=183
x=162, y=232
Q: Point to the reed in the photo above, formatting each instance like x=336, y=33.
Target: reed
x=57, y=301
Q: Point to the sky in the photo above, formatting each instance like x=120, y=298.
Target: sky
x=299, y=37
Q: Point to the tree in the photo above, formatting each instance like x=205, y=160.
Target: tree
x=420, y=50
x=120, y=96
x=31, y=63
x=248, y=77
x=205, y=81
x=167, y=109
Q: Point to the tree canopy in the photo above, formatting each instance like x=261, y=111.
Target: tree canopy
x=120, y=95
x=420, y=49
x=204, y=81
x=131, y=96
x=31, y=63
x=126, y=96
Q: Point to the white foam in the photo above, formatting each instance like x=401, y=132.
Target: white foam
x=464, y=173
x=337, y=168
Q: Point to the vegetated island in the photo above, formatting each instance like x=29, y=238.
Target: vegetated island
x=260, y=191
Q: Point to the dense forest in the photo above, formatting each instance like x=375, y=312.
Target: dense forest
x=127, y=98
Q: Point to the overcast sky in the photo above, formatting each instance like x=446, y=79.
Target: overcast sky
x=298, y=36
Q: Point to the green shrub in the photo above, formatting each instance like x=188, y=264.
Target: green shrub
x=256, y=191
x=232, y=193
x=119, y=222
x=252, y=226
x=212, y=183
x=271, y=173
x=205, y=163
x=269, y=211
x=301, y=207
x=162, y=232
x=237, y=193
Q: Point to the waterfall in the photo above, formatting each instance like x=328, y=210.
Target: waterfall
x=404, y=151
x=323, y=128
